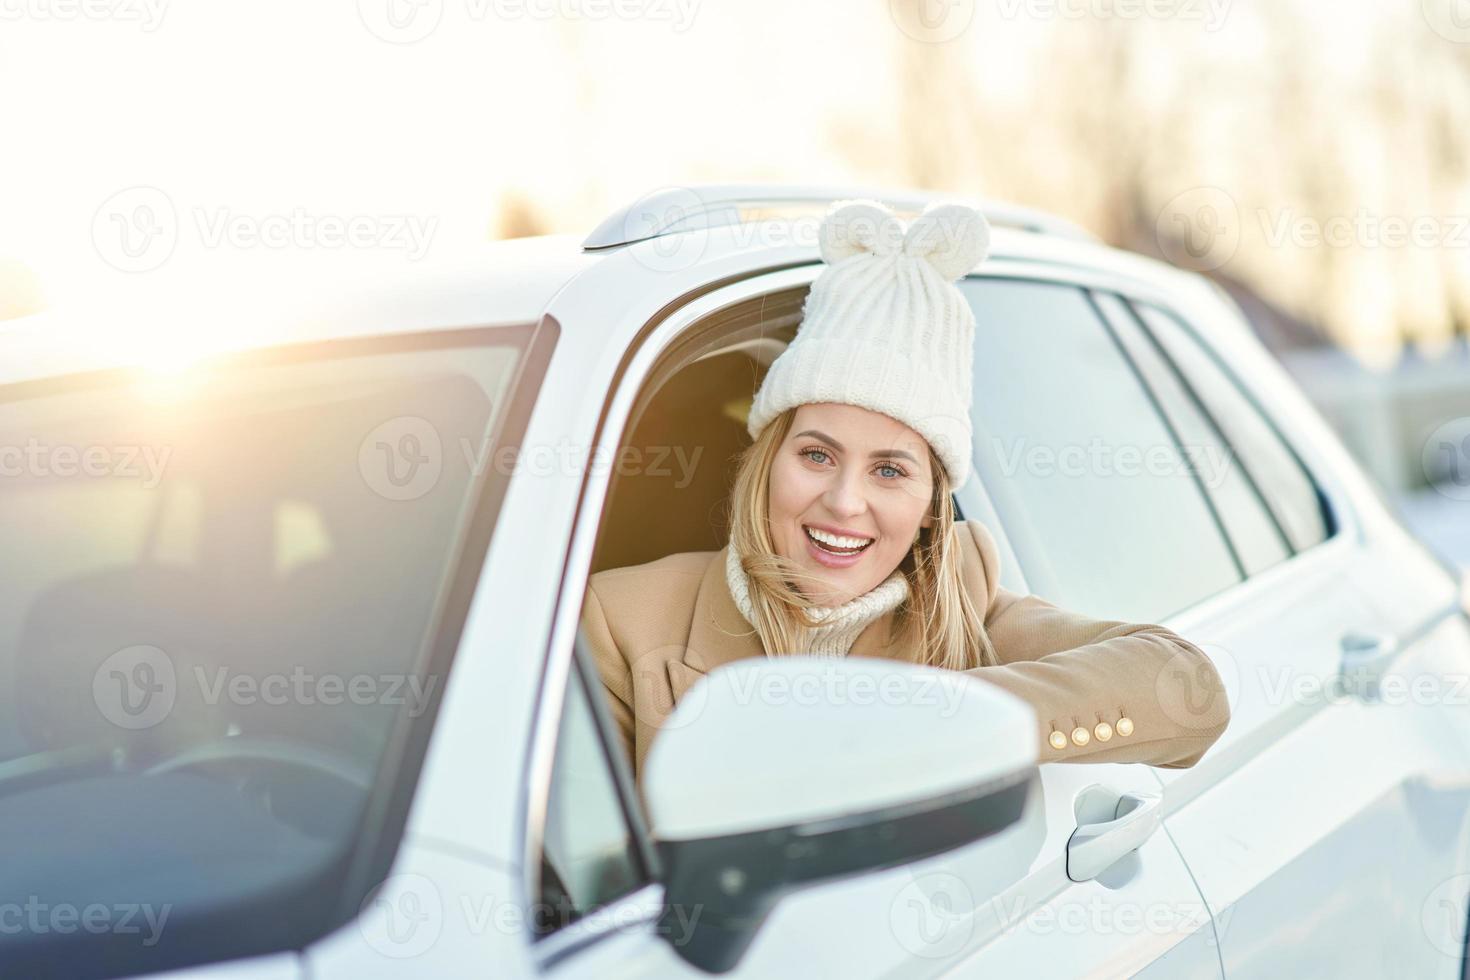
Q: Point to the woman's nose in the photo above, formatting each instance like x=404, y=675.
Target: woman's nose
x=844, y=497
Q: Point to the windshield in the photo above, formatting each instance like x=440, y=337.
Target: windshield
x=219, y=592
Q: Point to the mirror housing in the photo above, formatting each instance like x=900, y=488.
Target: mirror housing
x=777, y=773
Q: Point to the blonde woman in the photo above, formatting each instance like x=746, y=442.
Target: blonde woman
x=843, y=539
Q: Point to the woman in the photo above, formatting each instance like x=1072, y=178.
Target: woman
x=843, y=540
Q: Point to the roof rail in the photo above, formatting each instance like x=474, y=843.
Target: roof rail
x=672, y=210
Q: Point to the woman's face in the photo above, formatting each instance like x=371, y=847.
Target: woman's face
x=859, y=474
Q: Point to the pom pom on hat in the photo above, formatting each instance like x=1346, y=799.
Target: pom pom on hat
x=853, y=227
x=954, y=239
x=885, y=328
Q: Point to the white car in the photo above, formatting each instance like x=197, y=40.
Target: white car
x=294, y=687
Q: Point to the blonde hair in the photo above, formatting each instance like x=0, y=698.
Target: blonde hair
x=938, y=624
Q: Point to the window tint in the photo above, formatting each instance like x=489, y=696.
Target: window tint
x=589, y=853
x=1265, y=457
x=1092, y=489
x=1258, y=541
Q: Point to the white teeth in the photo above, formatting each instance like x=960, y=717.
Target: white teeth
x=838, y=540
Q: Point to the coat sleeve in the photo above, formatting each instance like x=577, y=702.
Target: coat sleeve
x=1083, y=676
x=617, y=678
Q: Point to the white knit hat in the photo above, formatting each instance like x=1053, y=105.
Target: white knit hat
x=885, y=328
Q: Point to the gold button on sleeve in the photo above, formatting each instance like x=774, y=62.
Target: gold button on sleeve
x=1124, y=726
x=1057, y=740
x=1080, y=736
x=1103, y=731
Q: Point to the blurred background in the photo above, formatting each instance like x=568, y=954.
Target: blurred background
x=1311, y=157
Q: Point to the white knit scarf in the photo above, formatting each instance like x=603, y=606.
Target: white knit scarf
x=838, y=626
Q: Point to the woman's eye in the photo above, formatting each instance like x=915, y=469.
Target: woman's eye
x=809, y=452
x=897, y=473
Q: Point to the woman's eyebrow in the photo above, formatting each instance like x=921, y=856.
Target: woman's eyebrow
x=841, y=449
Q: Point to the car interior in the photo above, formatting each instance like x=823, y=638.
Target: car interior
x=685, y=431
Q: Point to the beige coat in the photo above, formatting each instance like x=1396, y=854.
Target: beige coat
x=656, y=628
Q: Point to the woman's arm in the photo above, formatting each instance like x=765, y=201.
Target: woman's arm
x=1084, y=676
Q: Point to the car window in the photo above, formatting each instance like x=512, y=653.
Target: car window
x=589, y=848
x=1258, y=540
x=1089, y=483
x=1270, y=463
x=222, y=596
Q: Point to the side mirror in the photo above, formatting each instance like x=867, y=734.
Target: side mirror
x=775, y=773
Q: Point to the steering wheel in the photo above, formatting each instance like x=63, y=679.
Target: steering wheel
x=237, y=748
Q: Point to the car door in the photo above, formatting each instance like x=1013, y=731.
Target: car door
x=1326, y=828
x=1005, y=903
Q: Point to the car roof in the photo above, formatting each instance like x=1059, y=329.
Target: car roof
x=498, y=283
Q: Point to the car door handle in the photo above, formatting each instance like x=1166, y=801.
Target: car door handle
x=1095, y=847
x=1365, y=656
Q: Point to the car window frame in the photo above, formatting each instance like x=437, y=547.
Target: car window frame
x=1330, y=518
x=637, y=366
x=380, y=835
x=1208, y=419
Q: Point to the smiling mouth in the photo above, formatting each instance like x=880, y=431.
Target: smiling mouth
x=828, y=542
